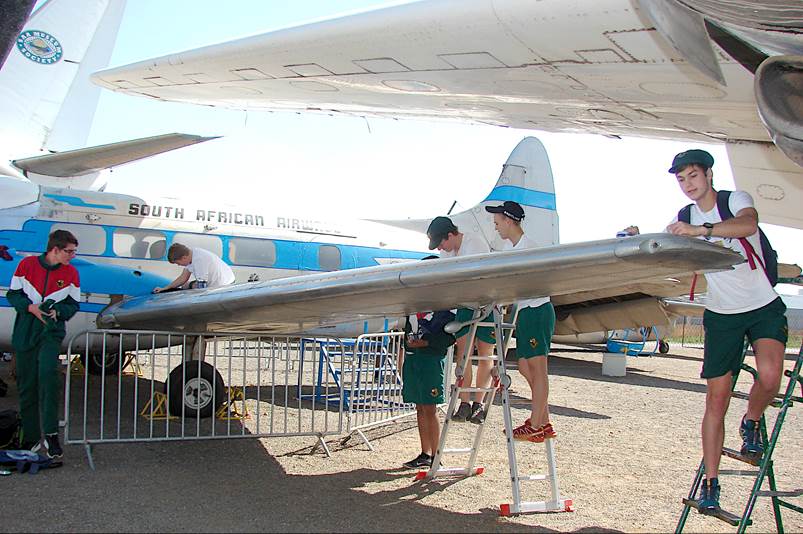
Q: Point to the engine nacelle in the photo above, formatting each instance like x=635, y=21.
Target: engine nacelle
x=779, y=94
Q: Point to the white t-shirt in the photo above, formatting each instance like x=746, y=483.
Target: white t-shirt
x=742, y=289
x=207, y=266
x=471, y=244
x=525, y=242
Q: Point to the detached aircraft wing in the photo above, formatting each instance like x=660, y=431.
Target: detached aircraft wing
x=662, y=69
x=305, y=303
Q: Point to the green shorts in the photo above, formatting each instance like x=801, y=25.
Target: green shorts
x=484, y=333
x=534, y=328
x=423, y=379
x=725, y=333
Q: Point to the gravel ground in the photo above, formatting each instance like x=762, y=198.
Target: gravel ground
x=627, y=450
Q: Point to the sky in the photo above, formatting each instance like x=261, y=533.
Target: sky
x=336, y=167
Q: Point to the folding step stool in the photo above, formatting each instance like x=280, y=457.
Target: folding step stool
x=765, y=464
x=501, y=381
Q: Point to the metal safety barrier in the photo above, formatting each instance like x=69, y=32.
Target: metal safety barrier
x=137, y=386
x=374, y=368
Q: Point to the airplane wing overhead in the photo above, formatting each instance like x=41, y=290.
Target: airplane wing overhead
x=593, y=67
x=306, y=302
x=600, y=67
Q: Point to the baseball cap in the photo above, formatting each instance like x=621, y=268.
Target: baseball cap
x=689, y=157
x=509, y=209
x=438, y=230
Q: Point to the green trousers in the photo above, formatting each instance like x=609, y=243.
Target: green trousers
x=38, y=385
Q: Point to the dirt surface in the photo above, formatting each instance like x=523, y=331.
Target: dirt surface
x=627, y=449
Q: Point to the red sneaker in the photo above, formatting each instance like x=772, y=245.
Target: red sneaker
x=524, y=432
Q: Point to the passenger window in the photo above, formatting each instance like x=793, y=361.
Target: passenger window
x=329, y=257
x=257, y=252
x=132, y=243
x=211, y=243
x=91, y=239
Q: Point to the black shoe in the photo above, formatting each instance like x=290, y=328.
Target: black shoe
x=708, y=503
x=477, y=413
x=422, y=460
x=463, y=413
x=752, y=445
x=54, y=450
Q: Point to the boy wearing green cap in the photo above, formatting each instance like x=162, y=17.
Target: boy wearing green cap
x=444, y=235
x=740, y=303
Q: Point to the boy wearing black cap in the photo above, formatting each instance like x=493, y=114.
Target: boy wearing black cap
x=444, y=235
x=535, y=324
x=740, y=303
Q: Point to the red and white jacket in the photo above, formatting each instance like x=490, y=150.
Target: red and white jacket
x=40, y=283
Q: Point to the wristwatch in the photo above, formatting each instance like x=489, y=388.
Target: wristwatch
x=709, y=227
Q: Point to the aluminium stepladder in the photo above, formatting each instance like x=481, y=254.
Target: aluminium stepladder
x=764, y=464
x=500, y=381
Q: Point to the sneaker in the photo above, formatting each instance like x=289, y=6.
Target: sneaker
x=750, y=432
x=478, y=413
x=422, y=460
x=54, y=450
x=709, y=497
x=548, y=431
x=525, y=432
x=463, y=413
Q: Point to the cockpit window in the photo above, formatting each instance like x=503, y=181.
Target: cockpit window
x=91, y=239
x=132, y=243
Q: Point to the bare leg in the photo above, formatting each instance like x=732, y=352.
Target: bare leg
x=769, y=363
x=422, y=427
x=484, y=368
x=717, y=399
x=460, y=352
x=432, y=433
x=535, y=371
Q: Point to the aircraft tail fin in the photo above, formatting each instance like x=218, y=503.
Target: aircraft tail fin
x=46, y=99
x=526, y=178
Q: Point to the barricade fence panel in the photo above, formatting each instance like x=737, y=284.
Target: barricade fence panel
x=127, y=386
x=374, y=367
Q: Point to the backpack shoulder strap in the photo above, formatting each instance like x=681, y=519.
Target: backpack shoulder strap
x=723, y=207
x=684, y=215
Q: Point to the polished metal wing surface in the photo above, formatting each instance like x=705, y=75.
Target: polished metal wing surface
x=307, y=302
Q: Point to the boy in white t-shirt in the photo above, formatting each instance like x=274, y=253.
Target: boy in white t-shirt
x=535, y=324
x=451, y=242
x=740, y=303
x=201, y=263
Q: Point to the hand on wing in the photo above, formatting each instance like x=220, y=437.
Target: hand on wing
x=682, y=228
x=158, y=289
x=630, y=230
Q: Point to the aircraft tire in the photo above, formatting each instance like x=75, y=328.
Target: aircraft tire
x=663, y=347
x=197, y=394
x=94, y=363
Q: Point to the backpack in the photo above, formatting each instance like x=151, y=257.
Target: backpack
x=769, y=257
x=9, y=429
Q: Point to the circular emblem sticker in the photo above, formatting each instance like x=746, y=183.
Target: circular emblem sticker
x=39, y=46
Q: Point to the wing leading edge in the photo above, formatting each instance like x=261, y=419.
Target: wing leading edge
x=302, y=303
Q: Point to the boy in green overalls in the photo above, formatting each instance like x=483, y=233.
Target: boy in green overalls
x=425, y=349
